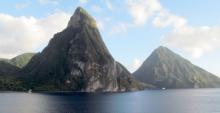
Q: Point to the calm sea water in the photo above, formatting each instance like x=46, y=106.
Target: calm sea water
x=149, y=101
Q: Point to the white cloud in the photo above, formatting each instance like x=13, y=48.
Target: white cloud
x=96, y=8
x=26, y=34
x=195, y=40
x=166, y=19
x=83, y=1
x=20, y=6
x=136, y=63
x=102, y=21
x=120, y=28
x=142, y=10
x=44, y=2
x=100, y=24
x=109, y=5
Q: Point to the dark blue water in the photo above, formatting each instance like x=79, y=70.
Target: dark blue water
x=150, y=101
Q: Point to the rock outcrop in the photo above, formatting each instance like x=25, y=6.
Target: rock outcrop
x=165, y=69
x=77, y=59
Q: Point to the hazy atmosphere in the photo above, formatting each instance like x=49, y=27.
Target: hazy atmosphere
x=131, y=29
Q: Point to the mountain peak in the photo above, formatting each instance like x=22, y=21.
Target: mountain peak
x=162, y=52
x=80, y=10
x=77, y=59
x=166, y=69
x=162, y=49
x=81, y=17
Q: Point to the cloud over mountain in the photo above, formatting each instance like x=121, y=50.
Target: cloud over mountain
x=22, y=34
x=196, y=40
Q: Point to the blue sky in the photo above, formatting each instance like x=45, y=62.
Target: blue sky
x=131, y=29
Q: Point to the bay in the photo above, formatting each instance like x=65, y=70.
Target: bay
x=148, y=101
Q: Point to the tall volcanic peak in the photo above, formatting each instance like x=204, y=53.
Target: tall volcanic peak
x=164, y=68
x=77, y=59
x=81, y=17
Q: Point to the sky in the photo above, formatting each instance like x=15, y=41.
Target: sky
x=131, y=29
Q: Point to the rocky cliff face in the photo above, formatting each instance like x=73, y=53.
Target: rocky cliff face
x=165, y=69
x=77, y=59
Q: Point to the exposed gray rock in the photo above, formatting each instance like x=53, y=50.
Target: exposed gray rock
x=165, y=69
x=77, y=59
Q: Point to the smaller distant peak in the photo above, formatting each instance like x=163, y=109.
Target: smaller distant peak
x=162, y=47
x=163, y=50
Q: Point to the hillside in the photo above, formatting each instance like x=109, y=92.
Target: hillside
x=165, y=69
